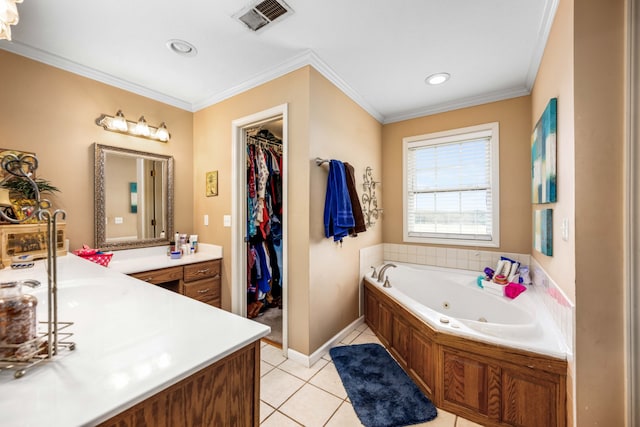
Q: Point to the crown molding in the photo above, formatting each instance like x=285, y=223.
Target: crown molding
x=91, y=73
x=307, y=57
x=458, y=104
x=549, y=13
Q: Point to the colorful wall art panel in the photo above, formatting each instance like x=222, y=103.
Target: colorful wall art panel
x=543, y=231
x=543, y=156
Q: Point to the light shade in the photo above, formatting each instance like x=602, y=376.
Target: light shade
x=141, y=128
x=8, y=17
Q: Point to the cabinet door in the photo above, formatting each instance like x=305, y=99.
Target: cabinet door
x=385, y=324
x=530, y=401
x=202, y=270
x=371, y=311
x=422, y=360
x=470, y=384
x=160, y=276
x=400, y=340
x=205, y=290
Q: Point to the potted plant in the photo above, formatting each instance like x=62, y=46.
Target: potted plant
x=23, y=195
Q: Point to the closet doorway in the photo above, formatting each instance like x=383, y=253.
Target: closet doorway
x=259, y=220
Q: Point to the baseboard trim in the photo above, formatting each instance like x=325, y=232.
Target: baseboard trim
x=309, y=361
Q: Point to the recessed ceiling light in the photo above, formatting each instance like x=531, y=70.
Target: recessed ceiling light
x=181, y=47
x=437, y=79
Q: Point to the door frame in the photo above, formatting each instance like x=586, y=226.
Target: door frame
x=632, y=220
x=239, y=209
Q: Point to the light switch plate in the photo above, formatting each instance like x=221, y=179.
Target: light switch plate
x=227, y=220
x=206, y=220
x=118, y=220
x=565, y=229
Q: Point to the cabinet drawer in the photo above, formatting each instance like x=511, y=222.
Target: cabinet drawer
x=203, y=290
x=160, y=276
x=202, y=270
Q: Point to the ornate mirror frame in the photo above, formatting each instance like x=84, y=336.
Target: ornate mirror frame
x=101, y=242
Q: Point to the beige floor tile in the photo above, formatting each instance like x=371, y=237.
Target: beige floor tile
x=272, y=355
x=279, y=420
x=345, y=416
x=462, y=422
x=301, y=371
x=265, y=410
x=349, y=338
x=362, y=327
x=326, y=356
x=311, y=406
x=329, y=380
x=444, y=419
x=365, y=338
x=265, y=368
x=277, y=386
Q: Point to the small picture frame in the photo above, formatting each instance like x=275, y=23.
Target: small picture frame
x=211, y=184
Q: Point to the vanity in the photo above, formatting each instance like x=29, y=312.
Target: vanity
x=196, y=276
x=144, y=355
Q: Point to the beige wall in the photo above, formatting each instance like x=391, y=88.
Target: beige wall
x=120, y=172
x=515, y=166
x=341, y=130
x=586, y=44
x=212, y=143
x=555, y=80
x=599, y=33
x=322, y=293
x=52, y=113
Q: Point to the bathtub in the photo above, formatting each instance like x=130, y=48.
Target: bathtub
x=450, y=301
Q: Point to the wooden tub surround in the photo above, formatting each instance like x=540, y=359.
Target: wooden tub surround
x=487, y=383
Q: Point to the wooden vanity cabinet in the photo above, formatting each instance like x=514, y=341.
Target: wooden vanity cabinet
x=202, y=282
x=199, y=280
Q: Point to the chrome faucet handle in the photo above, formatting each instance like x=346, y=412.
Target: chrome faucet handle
x=374, y=274
x=386, y=282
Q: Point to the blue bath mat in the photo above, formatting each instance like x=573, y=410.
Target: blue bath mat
x=382, y=394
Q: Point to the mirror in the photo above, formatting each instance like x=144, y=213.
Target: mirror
x=133, y=198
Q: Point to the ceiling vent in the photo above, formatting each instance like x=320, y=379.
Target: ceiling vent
x=262, y=13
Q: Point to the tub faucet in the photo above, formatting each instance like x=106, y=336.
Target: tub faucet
x=383, y=270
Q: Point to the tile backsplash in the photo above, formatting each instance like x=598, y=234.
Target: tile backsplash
x=551, y=296
x=465, y=259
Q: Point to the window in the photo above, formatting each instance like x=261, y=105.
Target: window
x=451, y=187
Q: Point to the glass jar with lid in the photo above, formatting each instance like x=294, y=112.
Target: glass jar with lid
x=18, y=325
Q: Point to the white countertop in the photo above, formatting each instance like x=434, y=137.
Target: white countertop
x=132, y=340
x=145, y=259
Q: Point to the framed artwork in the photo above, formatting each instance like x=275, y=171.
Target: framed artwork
x=543, y=231
x=543, y=156
x=212, y=184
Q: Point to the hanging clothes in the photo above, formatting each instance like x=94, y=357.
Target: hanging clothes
x=264, y=222
x=358, y=216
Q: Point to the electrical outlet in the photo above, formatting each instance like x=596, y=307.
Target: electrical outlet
x=227, y=220
x=565, y=229
x=118, y=220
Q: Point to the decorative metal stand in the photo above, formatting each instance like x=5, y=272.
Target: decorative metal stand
x=369, y=200
x=47, y=344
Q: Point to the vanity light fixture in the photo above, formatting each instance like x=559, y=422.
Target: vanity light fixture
x=437, y=78
x=120, y=124
x=8, y=17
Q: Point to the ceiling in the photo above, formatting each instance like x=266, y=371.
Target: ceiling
x=378, y=52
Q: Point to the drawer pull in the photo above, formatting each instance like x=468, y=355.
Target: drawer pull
x=203, y=291
x=203, y=271
x=148, y=279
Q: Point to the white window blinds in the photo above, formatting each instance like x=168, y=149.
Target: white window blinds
x=449, y=187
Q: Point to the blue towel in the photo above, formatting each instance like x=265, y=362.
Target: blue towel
x=338, y=213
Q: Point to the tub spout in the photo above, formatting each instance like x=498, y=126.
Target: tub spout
x=383, y=270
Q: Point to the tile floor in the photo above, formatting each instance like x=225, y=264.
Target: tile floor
x=294, y=395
